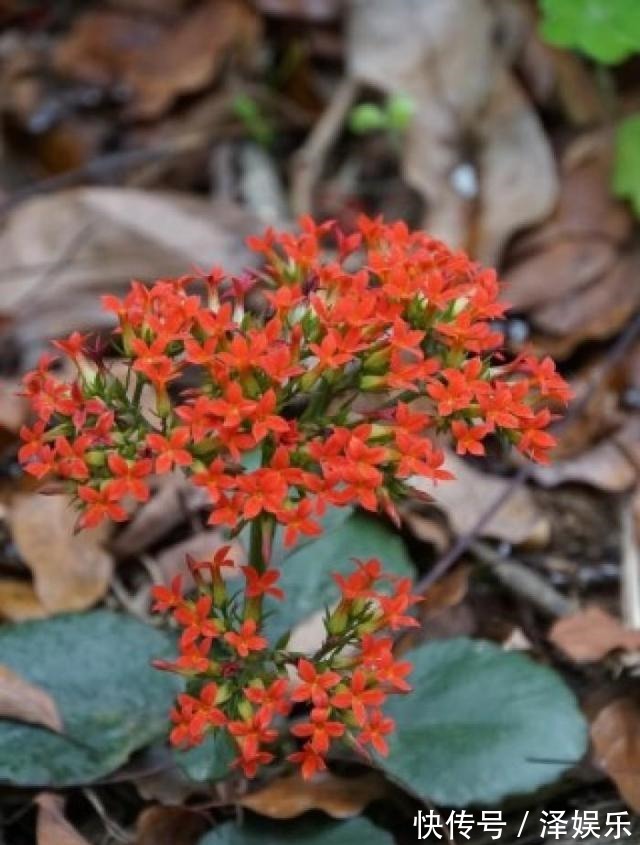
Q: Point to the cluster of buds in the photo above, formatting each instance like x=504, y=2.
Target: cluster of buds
x=337, y=369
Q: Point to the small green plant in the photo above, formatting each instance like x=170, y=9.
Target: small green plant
x=257, y=124
x=607, y=31
x=393, y=117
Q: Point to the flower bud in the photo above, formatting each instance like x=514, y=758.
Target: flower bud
x=95, y=458
x=245, y=710
x=371, y=382
x=377, y=362
x=337, y=622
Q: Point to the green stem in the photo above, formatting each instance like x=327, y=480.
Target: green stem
x=260, y=544
x=256, y=547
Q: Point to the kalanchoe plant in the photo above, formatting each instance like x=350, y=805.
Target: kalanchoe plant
x=341, y=373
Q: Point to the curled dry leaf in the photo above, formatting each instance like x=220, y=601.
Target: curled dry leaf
x=516, y=169
x=52, y=828
x=598, y=312
x=70, y=572
x=117, y=234
x=609, y=465
x=568, y=266
x=466, y=498
x=169, y=826
x=26, y=702
x=446, y=592
x=466, y=99
x=113, y=48
x=615, y=734
x=290, y=796
x=592, y=634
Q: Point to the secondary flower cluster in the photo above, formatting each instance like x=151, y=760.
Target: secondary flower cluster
x=317, y=382
x=247, y=688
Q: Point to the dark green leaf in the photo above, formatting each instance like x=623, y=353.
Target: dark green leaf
x=481, y=724
x=112, y=702
x=626, y=174
x=315, y=831
x=606, y=30
x=210, y=760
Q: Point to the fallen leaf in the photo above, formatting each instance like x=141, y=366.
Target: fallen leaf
x=442, y=54
x=512, y=195
x=467, y=497
x=52, y=828
x=599, y=311
x=70, y=571
x=615, y=734
x=564, y=268
x=339, y=797
x=592, y=634
x=170, y=826
x=604, y=466
x=119, y=234
x=19, y=602
x=446, y=592
x=112, y=48
x=26, y=702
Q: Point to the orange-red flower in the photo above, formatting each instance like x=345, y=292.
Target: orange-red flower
x=314, y=685
x=245, y=640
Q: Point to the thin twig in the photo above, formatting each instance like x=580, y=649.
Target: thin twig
x=309, y=160
x=102, y=167
x=523, y=581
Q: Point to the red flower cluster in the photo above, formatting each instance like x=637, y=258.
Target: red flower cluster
x=243, y=685
x=318, y=382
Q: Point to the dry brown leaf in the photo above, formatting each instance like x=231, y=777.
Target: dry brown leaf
x=339, y=797
x=566, y=267
x=516, y=169
x=599, y=311
x=169, y=826
x=19, y=602
x=26, y=702
x=52, y=828
x=592, y=634
x=615, y=734
x=446, y=592
x=70, y=571
x=604, y=466
x=467, y=497
x=133, y=234
x=443, y=55
x=114, y=48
